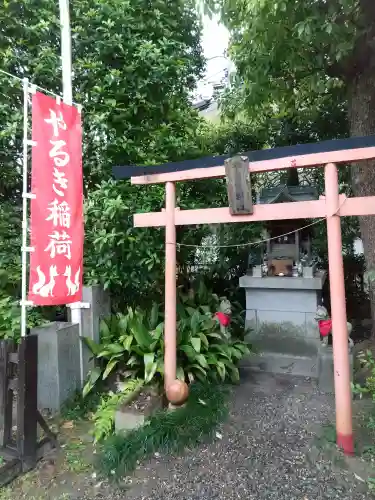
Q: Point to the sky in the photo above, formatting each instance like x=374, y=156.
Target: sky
x=214, y=41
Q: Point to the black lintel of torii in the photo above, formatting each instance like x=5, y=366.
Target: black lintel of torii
x=127, y=171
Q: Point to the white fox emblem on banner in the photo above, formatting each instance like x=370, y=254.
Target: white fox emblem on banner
x=73, y=287
x=43, y=288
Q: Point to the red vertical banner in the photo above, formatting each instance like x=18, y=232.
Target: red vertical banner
x=56, y=262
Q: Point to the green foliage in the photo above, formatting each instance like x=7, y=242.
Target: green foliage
x=204, y=352
x=368, y=361
x=10, y=318
x=78, y=407
x=123, y=259
x=104, y=415
x=289, y=55
x=133, y=343
x=167, y=431
x=134, y=64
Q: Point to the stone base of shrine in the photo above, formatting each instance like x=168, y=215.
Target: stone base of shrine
x=318, y=367
x=281, y=325
x=287, y=364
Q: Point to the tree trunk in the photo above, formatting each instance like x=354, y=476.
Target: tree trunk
x=362, y=123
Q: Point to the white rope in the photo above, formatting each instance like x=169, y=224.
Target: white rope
x=251, y=243
x=259, y=242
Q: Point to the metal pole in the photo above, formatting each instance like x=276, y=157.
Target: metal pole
x=66, y=51
x=66, y=61
x=343, y=393
x=24, y=248
x=170, y=285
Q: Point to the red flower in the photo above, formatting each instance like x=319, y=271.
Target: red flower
x=224, y=319
x=325, y=327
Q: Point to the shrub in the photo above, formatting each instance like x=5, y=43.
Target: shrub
x=104, y=415
x=133, y=344
x=368, y=361
x=10, y=318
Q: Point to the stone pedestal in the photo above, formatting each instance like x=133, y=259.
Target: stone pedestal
x=100, y=308
x=58, y=364
x=280, y=313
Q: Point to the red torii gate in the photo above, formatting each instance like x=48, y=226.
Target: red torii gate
x=332, y=206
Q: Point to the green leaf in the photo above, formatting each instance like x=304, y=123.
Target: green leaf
x=212, y=359
x=158, y=332
x=204, y=339
x=132, y=361
x=206, y=309
x=123, y=323
x=202, y=360
x=109, y=368
x=92, y=379
x=199, y=368
x=150, y=371
x=180, y=374
x=191, y=311
x=235, y=374
x=93, y=346
x=214, y=335
x=221, y=370
x=127, y=342
x=140, y=332
x=222, y=349
x=115, y=348
x=196, y=343
x=189, y=351
x=104, y=329
x=154, y=316
x=194, y=322
x=150, y=366
x=148, y=358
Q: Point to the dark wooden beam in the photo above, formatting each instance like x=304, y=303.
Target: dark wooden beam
x=125, y=172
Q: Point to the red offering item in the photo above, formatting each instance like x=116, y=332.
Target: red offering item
x=224, y=319
x=325, y=327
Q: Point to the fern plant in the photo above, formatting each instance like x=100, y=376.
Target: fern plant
x=104, y=416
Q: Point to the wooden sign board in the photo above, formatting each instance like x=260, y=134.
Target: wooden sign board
x=239, y=185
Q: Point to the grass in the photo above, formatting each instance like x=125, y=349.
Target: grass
x=75, y=459
x=78, y=407
x=167, y=431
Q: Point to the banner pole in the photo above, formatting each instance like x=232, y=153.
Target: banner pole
x=66, y=51
x=66, y=59
x=24, y=249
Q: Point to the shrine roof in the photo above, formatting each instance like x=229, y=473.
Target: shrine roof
x=283, y=193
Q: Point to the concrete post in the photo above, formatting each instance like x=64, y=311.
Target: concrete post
x=58, y=364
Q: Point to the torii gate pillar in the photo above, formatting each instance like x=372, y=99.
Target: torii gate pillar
x=343, y=394
x=170, y=322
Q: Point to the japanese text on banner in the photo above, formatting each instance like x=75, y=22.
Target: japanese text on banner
x=57, y=209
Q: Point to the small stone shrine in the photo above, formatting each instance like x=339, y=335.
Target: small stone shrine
x=283, y=290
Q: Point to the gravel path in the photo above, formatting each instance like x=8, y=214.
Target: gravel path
x=267, y=451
